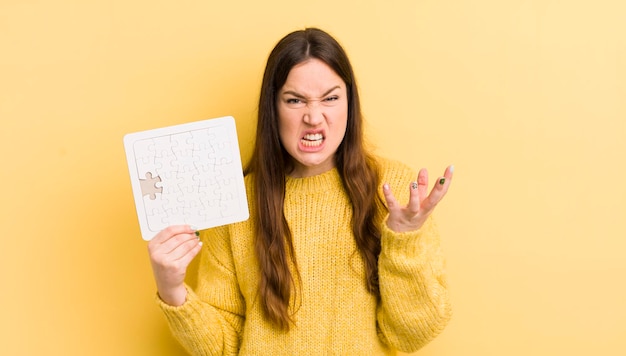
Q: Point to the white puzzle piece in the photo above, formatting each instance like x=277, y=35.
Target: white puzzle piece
x=187, y=174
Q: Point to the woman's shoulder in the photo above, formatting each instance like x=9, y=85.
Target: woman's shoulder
x=398, y=175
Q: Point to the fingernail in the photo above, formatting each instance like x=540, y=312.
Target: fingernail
x=386, y=186
x=197, y=233
x=451, y=168
x=442, y=181
x=414, y=185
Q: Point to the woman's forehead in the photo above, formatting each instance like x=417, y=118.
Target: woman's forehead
x=312, y=77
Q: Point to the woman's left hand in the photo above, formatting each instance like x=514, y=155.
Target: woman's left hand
x=412, y=216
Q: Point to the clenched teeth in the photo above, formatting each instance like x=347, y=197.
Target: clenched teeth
x=312, y=139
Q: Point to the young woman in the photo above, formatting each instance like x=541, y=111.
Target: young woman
x=330, y=261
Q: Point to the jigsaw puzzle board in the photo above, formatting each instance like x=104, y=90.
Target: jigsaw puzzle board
x=187, y=174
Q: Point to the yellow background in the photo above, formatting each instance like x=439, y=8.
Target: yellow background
x=526, y=98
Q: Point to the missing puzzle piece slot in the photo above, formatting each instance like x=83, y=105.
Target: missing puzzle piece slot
x=148, y=186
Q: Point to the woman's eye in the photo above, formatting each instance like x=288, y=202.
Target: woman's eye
x=293, y=101
x=331, y=98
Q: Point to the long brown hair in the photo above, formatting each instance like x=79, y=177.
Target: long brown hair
x=270, y=163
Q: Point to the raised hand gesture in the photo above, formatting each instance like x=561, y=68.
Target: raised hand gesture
x=412, y=216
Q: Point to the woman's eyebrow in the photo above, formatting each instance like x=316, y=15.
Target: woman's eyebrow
x=298, y=95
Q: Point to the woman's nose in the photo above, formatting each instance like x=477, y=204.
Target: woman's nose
x=313, y=114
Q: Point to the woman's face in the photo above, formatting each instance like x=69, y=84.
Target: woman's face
x=312, y=116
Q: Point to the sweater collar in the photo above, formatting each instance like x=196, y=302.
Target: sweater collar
x=326, y=181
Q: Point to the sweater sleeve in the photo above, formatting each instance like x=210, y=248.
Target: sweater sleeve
x=211, y=319
x=415, y=304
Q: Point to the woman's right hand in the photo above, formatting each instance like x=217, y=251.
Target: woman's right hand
x=171, y=252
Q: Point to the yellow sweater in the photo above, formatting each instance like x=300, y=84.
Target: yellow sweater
x=334, y=313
